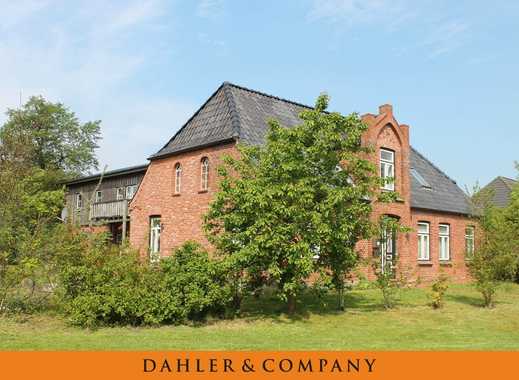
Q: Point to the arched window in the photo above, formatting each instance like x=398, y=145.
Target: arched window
x=178, y=177
x=204, y=173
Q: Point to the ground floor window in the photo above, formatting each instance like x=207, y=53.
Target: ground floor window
x=444, y=242
x=423, y=241
x=469, y=241
x=155, y=227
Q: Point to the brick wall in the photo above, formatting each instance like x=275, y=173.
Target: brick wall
x=456, y=267
x=181, y=214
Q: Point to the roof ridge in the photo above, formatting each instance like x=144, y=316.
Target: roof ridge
x=505, y=179
x=436, y=167
x=268, y=95
x=189, y=120
x=235, y=116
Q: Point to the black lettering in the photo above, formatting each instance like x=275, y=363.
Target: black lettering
x=351, y=364
x=198, y=369
x=264, y=365
x=165, y=364
x=212, y=365
x=227, y=365
x=322, y=364
x=336, y=366
x=290, y=365
x=180, y=365
x=304, y=368
x=370, y=364
x=151, y=362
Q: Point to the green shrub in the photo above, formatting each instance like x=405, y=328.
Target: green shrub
x=108, y=285
x=439, y=288
x=198, y=282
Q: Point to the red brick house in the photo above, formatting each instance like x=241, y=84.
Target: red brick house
x=181, y=179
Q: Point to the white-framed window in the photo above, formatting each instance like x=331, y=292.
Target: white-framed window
x=120, y=193
x=79, y=201
x=444, y=230
x=155, y=227
x=99, y=196
x=469, y=241
x=423, y=241
x=130, y=191
x=387, y=169
x=178, y=177
x=204, y=173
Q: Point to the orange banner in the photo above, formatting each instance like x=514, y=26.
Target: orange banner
x=259, y=365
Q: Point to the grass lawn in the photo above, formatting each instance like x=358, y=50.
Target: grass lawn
x=462, y=325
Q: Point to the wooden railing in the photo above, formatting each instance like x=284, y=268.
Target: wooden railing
x=109, y=210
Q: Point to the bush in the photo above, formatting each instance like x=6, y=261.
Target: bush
x=198, y=282
x=108, y=285
x=439, y=288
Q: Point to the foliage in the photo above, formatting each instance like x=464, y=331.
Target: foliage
x=439, y=288
x=198, y=282
x=387, y=279
x=297, y=203
x=109, y=285
x=49, y=136
x=496, y=256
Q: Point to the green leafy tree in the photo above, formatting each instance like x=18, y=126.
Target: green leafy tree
x=496, y=255
x=297, y=204
x=49, y=136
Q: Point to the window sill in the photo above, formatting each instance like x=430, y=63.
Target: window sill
x=176, y=194
x=446, y=263
x=202, y=191
x=425, y=263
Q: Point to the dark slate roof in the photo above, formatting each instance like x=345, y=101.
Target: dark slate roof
x=109, y=174
x=231, y=113
x=501, y=187
x=238, y=113
x=441, y=194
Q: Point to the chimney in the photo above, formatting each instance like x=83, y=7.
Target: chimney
x=385, y=109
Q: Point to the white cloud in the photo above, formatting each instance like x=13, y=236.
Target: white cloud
x=211, y=9
x=89, y=60
x=445, y=37
x=427, y=27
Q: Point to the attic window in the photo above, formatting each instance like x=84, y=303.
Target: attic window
x=421, y=180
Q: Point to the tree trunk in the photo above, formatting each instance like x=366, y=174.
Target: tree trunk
x=291, y=304
x=340, y=299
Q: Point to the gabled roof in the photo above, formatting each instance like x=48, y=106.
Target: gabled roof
x=438, y=192
x=232, y=113
x=501, y=188
x=235, y=113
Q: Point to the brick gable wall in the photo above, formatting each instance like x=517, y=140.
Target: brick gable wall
x=181, y=215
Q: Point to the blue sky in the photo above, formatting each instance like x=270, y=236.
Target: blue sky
x=450, y=68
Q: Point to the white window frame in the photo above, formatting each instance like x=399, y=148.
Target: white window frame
x=444, y=242
x=120, y=193
x=99, y=196
x=79, y=201
x=130, y=191
x=387, y=169
x=204, y=174
x=424, y=242
x=469, y=249
x=154, y=246
x=178, y=178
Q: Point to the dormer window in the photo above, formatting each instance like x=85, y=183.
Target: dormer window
x=387, y=169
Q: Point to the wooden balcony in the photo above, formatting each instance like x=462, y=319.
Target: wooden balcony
x=109, y=210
